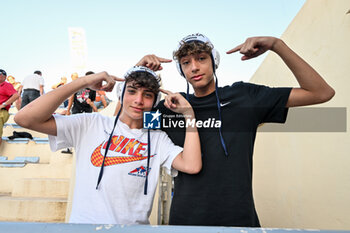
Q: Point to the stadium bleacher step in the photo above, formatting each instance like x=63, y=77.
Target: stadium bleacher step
x=8, y=175
x=34, y=180
x=32, y=209
x=18, y=161
x=10, y=127
x=27, y=148
x=41, y=187
x=26, y=140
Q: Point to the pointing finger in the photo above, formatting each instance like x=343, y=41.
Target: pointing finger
x=118, y=79
x=165, y=91
x=235, y=49
x=164, y=60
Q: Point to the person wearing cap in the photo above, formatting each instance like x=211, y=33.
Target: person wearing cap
x=221, y=194
x=32, y=87
x=8, y=95
x=117, y=162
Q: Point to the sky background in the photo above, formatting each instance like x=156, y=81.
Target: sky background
x=34, y=34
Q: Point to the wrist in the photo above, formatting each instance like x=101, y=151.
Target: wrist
x=188, y=114
x=276, y=46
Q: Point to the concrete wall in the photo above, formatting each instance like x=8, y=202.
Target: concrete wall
x=302, y=179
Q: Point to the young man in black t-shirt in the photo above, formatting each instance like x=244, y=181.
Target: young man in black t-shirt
x=82, y=101
x=221, y=194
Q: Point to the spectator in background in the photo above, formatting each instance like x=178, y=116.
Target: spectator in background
x=101, y=100
x=17, y=86
x=61, y=83
x=32, y=87
x=74, y=76
x=81, y=102
x=8, y=95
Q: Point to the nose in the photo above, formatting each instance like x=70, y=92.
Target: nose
x=139, y=98
x=194, y=65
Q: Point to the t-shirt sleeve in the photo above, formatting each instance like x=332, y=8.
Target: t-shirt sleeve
x=69, y=129
x=41, y=81
x=10, y=90
x=168, y=152
x=269, y=102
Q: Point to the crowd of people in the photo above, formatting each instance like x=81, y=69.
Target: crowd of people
x=212, y=165
x=32, y=87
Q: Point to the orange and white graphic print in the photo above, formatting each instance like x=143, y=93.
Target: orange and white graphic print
x=132, y=150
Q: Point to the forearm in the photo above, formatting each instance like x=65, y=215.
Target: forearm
x=41, y=90
x=309, y=80
x=12, y=99
x=36, y=113
x=191, y=155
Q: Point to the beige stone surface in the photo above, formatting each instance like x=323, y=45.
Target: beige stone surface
x=29, y=209
x=302, y=180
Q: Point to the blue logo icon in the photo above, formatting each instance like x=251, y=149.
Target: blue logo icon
x=151, y=120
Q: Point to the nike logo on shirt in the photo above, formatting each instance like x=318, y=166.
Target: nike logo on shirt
x=224, y=104
x=97, y=158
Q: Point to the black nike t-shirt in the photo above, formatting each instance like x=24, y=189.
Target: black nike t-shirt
x=80, y=104
x=221, y=194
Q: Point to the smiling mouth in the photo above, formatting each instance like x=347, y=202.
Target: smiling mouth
x=197, y=77
x=137, y=109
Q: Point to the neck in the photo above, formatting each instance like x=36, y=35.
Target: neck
x=206, y=90
x=132, y=123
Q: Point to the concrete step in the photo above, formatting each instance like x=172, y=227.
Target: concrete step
x=29, y=148
x=9, y=175
x=17, y=161
x=32, y=209
x=10, y=127
x=41, y=187
x=26, y=140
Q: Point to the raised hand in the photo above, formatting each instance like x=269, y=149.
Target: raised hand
x=102, y=81
x=254, y=47
x=177, y=103
x=153, y=62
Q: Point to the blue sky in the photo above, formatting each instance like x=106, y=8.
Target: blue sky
x=34, y=34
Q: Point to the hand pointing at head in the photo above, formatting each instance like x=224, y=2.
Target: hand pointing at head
x=254, y=47
x=153, y=62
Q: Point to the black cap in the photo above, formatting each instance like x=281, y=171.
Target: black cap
x=3, y=72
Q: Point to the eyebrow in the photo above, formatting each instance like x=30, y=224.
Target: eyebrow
x=133, y=87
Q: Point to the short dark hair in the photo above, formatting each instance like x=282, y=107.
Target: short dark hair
x=89, y=72
x=190, y=48
x=144, y=79
x=38, y=72
x=3, y=72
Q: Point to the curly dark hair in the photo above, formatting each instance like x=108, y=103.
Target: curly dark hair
x=190, y=48
x=144, y=79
